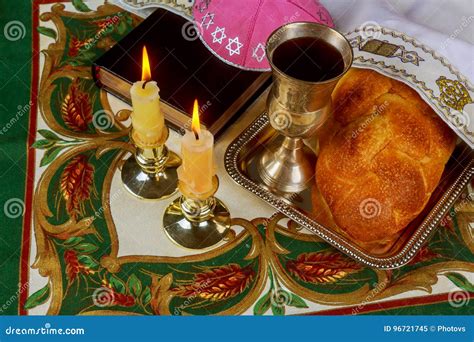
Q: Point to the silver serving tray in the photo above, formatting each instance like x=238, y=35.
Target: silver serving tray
x=240, y=163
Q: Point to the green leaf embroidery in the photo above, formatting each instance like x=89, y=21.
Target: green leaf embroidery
x=146, y=296
x=297, y=302
x=42, y=144
x=134, y=285
x=270, y=275
x=50, y=155
x=122, y=27
x=86, y=56
x=117, y=284
x=47, y=31
x=88, y=261
x=37, y=298
x=80, y=6
x=73, y=63
x=278, y=310
x=50, y=135
x=460, y=281
x=263, y=304
x=86, y=248
x=72, y=241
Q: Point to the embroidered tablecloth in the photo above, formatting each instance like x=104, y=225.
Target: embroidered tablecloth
x=73, y=241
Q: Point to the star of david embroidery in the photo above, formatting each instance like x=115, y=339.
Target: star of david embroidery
x=218, y=35
x=323, y=17
x=203, y=5
x=207, y=20
x=236, y=49
x=408, y=56
x=258, y=52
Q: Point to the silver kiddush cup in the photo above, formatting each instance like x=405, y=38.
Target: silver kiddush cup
x=297, y=109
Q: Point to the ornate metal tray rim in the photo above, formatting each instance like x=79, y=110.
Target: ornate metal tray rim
x=419, y=237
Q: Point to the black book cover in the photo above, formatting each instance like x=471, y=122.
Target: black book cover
x=184, y=70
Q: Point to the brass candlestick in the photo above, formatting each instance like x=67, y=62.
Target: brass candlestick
x=197, y=222
x=150, y=173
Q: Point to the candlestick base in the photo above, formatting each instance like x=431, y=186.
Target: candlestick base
x=197, y=224
x=151, y=173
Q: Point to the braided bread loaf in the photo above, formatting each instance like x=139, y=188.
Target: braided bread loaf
x=382, y=157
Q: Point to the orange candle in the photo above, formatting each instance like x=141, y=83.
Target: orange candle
x=197, y=152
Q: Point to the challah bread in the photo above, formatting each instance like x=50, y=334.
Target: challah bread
x=382, y=157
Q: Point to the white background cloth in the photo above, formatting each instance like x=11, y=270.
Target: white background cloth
x=447, y=26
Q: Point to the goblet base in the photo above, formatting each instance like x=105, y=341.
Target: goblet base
x=287, y=166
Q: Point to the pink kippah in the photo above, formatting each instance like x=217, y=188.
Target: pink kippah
x=236, y=30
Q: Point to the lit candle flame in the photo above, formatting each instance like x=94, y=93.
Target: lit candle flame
x=195, y=125
x=146, y=72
